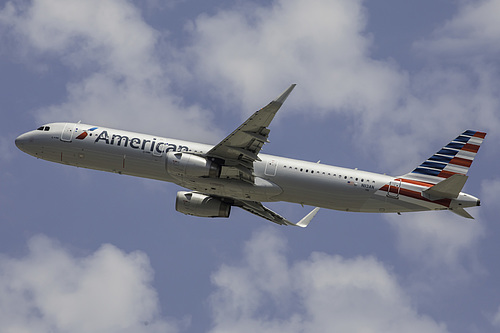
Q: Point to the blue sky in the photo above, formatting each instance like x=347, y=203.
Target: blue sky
x=381, y=87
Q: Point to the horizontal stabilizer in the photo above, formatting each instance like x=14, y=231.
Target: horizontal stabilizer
x=258, y=209
x=305, y=221
x=449, y=188
x=462, y=212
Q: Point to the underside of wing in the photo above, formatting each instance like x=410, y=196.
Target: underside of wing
x=240, y=149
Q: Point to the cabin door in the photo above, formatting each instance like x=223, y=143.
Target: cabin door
x=67, y=133
x=271, y=166
x=394, y=189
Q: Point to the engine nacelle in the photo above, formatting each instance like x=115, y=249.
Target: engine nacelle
x=191, y=166
x=197, y=204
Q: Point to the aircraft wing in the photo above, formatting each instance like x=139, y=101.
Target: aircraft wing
x=258, y=209
x=239, y=149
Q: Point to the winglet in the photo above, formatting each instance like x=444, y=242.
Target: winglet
x=281, y=99
x=305, y=221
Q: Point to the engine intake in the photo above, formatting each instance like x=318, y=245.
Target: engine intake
x=197, y=204
x=189, y=165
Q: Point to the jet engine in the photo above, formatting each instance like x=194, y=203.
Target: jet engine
x=197, y=204
x=189, y=165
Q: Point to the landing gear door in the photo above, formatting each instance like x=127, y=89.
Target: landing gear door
x=67, y=133
x=394, y=189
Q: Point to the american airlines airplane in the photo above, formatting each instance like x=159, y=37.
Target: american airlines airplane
x=234, y=173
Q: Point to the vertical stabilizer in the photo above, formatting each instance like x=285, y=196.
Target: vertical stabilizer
x=454, y=158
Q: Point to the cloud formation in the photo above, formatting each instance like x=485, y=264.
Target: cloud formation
x=51, y=290
x=127, y=71
x=472, y=34
x=242, y=56
x=324, y=293
x=243, y=53
x=443, y=247
x=496, y=319
x=114, y=55
x=248, y=52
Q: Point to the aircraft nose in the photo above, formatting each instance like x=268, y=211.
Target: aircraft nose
x=23, y=140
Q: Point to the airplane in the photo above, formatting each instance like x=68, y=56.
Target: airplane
x=235, y=173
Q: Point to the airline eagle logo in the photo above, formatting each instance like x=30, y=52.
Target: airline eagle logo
x=84, y=134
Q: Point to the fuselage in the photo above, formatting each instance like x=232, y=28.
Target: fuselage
x=276, y=178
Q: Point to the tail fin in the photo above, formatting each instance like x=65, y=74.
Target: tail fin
x=454, y=158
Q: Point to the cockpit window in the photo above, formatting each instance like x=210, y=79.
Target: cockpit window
x=40, y=128
x=46, y=128
x=43, y=128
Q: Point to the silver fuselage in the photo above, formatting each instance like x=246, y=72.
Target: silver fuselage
x=276, y=178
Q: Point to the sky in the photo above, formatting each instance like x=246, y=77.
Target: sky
x=381, y=86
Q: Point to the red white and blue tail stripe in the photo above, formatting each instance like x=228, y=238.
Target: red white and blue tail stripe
x=454, y=158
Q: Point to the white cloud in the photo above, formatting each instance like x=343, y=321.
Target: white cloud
x=490, y=191
x=437, y=240
x=249, y=52
x=110, y=33
x=103, y=100
x=458, y=89
x=50, y=290
x=324, y=293
x=442, y=249
x=472, y=34
x=459, y=86
x=496, y=319
x=244, y=55
x=115, y=56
